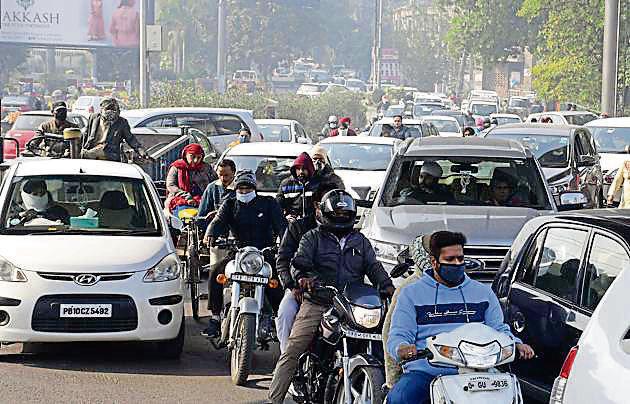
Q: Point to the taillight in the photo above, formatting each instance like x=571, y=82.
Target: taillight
x=568, y=363
x=91, y=109
x=560, y=384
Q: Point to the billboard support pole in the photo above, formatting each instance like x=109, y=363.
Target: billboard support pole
x=144, y=74
x=221, y=56
x=610, y=57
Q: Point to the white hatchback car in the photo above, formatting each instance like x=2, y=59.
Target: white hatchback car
x=86, y=255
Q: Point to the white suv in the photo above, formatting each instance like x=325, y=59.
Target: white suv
x=86, y=255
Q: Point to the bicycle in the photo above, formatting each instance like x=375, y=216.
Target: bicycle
x=192, y=256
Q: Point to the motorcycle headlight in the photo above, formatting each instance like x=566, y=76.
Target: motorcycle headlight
x=450, y=352
x=251, y=263
x=480, y=356
x=386, y=251
x=10, y=273
x=366, y=318
x=169, y=269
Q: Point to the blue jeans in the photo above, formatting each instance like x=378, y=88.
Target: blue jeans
x=413, y=387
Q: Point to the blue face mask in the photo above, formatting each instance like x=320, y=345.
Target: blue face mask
x=243, y=139
x=453, y=274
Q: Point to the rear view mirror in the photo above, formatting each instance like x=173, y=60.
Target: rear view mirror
x=399, y=270
x=302, y=140
x=174, y=222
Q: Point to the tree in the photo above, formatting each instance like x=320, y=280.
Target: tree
x=11, y=56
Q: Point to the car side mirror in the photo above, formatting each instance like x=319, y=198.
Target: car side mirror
x=586, y=161
x=364, y=204
x=399, y=270
x=572, y=200
x=302, y=140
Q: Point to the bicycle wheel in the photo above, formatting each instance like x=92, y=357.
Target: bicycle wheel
x=194, y=267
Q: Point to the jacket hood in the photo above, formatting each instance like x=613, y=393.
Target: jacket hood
x=303, y=160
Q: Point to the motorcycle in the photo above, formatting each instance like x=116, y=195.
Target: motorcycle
x=344, y=364
x=476, y=350
x=246, y=320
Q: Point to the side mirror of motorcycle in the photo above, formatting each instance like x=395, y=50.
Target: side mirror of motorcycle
x=175, y=222
x=399, y=270
x=473, y=264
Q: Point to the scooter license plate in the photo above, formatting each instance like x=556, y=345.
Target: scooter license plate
x=249, y=278
x=486, y=383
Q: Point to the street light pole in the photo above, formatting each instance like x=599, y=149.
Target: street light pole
x=144, y=74
x=376, y=52
x=221, y=59
x=610, y=57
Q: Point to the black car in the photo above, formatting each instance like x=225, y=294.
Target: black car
x=556, y=272
x=567, y=154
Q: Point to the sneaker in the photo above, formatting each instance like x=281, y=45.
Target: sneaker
x=213, y=329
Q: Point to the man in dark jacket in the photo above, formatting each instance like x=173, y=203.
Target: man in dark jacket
x=288, y=247
x=324, y=173
x=254, y=220
x=332, y=254
x=400, y=131
x=295, y=192
x=105, y=133
x=55, y=126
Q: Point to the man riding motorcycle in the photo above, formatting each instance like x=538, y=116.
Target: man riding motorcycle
x=254, y=220
x=55, y=126
x=333, y=254
x=441, y=300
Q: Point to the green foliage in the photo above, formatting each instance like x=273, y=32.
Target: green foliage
x=311, y=112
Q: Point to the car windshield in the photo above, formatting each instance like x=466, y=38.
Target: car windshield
x=358, y=156
x=580, y=119
x=551, y=151
x=80, y=204
x=133, y=120
x=269, y=170
x=380, y=129
x=611, y=140
x=444, y=125
x=275, y=132
x=30, y=122
x=394, y=110
x=518, y=103
x=484, y=109
x=426, y=109
x=466, y=181
x=506, y=120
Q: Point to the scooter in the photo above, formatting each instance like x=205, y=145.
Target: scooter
x=476, y=350
x=246, y=320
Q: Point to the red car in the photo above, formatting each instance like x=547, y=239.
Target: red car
x=26, y=124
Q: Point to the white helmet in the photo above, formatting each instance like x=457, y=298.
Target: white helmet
x=333, y=118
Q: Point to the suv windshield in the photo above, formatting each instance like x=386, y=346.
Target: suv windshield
x=359, y=157
x=580, y=119
x=269, y=170
x=483, y=109
x=80, y=204
x=551, y=151
x=443, y=125
x=611, y=140
x=426, y=109
x=275, y=132
x=465, y=181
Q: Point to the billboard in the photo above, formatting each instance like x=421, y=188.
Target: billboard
x=76, y=23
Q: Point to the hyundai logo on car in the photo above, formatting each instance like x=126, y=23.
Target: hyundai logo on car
x=86, y=279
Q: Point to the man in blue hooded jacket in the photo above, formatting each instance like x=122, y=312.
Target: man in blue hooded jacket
x=443, y=299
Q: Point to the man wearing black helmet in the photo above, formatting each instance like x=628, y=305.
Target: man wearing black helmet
x=332, y=254
x=55, y=126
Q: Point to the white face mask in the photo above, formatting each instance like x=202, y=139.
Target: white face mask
x=246, y=198
x=38, y=203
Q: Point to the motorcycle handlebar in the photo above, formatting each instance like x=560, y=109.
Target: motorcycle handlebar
x=420, y=354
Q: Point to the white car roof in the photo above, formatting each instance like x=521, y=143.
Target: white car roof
x=504, y=116
x=562, y=113
x=360, y=140
x=484, y=101
x=285, y=122
x=283, y=149
x=623, y=122
x=389, y=120
x=149, y=112
x=76, y=167
x=439, y=118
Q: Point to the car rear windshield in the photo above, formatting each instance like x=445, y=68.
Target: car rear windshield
x=269, y=170
x=426, y=109
x=275, y=132
x=580, y=119
x=444, y=125
x=611, y=140
x=551, y=151
x=79, y=204
x=384, y=130
x=30, y=122
x=359, y=156
x=483, y=109
x=466, y=181
x=506, y=120
x=394, y=110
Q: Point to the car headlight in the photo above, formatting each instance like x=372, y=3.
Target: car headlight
x=10, y=273
x=169, y=269
x=480, y=356
x=387, y=252
x=450, y=352
x=251, y=263
x=366, y=318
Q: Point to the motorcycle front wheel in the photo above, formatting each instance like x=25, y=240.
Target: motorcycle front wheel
x=243, y=350
x=366, y=387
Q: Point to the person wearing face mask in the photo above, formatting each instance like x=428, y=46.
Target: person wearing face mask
x=333, y=254
x=344, y=129
x=324, y=172
x=105, y=133
x=428, y=189
x=441, y=300
x=295, y=192
x=254, y=220
x=244, y=136
x=55, y=126
x=37, y=203
x=188, y=178
x=333, y=123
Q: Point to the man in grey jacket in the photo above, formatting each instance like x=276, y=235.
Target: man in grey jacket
x=105, y=133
